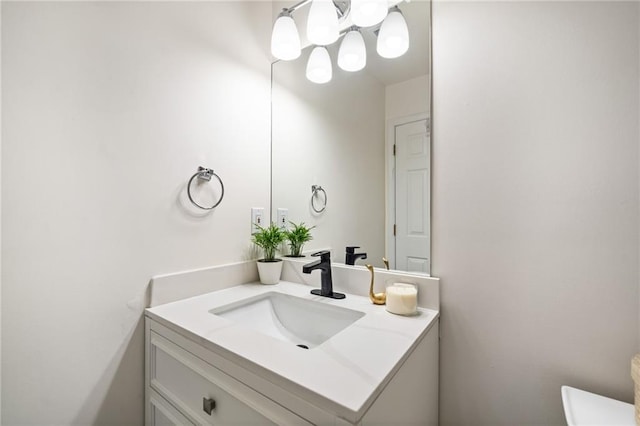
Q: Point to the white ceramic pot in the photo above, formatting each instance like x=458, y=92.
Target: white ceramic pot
x=270, y=271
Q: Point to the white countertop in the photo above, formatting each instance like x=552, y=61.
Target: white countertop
x=346, y=373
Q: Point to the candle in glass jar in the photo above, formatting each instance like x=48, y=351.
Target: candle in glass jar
x=402, y=299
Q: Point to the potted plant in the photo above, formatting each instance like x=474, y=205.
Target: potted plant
x=268, y=239
x=297, y=236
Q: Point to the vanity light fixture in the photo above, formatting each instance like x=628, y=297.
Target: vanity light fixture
x=352, y=55
x=285, y=41
x=319, y=66
x=323, y=25
x=366, y=13
x=393, y=38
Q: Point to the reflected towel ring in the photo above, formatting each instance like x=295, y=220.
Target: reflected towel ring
x=315, y=189
x=206, y=175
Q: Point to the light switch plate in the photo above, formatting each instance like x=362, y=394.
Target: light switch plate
x=257, y=217
x=283, y=218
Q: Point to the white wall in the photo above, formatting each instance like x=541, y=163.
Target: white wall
x=407, y=97
x=0, y=217
x=331, y=135
x=535, y=204
x=107, y=110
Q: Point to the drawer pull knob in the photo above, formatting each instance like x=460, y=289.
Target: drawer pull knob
x=208, y=405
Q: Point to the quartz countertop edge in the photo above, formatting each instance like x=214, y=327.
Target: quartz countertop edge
x=343, y=375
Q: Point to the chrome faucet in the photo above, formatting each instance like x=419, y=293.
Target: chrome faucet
x=324, y=265
x=351, y=256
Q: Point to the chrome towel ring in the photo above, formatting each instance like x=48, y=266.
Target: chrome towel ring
x=315, y=189
x=205, y=175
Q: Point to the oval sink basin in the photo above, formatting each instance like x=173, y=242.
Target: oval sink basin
x=305, y=323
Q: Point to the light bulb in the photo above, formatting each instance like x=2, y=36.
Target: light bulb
x=352, y=55
x=319, y=66
x=322, y=23
x=393, y=38
x=366, y=13
x=285, y=41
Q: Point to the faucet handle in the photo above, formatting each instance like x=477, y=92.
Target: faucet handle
x=352, y=249
x=325, y=255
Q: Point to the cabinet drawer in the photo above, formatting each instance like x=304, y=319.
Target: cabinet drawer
x=163, y=414
x=196, y=388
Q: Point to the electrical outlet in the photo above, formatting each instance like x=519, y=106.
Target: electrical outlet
x=283, y=218
x=257, y=218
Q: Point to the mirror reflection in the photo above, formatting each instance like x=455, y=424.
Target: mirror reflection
x=352, y=156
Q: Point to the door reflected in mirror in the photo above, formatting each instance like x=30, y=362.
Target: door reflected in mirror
x=363, y=137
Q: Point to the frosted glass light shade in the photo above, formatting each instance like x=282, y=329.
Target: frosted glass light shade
x=285, y=41
x=319, y=66
x=393, y=38
x=352, y=55
x=366, y=13
x=322, y=23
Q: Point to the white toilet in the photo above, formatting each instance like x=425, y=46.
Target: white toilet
x=586, y=408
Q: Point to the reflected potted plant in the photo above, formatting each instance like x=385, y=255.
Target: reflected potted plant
x=297, y=236
x=268, y=239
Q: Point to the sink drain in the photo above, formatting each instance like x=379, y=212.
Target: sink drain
x=303, y=346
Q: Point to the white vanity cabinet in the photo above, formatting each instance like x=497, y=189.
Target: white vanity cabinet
x=162, y=413
x=179, y=383
x=202, y=370
x=185, y=389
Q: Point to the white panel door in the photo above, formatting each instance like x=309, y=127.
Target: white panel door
x=413, y=195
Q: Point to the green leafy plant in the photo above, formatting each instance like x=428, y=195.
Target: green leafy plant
x=268, y=239
x=297, y=236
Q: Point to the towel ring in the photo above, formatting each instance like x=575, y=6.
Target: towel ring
x=315, y=189
x=206, y=175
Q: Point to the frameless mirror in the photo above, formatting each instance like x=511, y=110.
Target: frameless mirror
x=363, y=138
